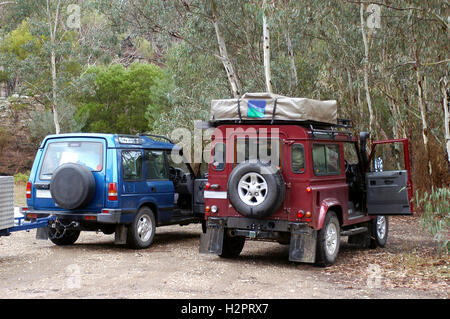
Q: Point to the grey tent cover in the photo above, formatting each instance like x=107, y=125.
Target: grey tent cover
x=260, y=106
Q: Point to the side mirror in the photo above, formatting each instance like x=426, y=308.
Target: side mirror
x=378, y=164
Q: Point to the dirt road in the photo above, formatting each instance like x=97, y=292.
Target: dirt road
x=172, y=268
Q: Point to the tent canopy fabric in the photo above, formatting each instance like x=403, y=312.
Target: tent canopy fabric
x=268, y=106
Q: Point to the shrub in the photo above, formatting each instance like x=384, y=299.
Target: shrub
x=21, y=177
x=5, y=138
x=435, y=216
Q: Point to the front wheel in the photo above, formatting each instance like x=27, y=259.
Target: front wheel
x=142, y=231
x=379, y=228
x=328, y=240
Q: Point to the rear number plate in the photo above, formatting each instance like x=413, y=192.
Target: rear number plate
x=43, y=193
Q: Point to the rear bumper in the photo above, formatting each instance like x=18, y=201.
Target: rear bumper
x=112, y=216
x=302, y=238
x=259, y=226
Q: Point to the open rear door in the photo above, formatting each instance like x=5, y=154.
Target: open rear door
x=388, y=180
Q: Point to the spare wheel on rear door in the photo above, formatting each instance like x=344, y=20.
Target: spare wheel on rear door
x=256, y=189
x=72, y=186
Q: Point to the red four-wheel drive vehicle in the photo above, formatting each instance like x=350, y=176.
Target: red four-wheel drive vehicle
x=286, y=170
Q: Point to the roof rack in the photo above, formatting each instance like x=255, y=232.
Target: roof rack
x=341, y=123
x=156, y=136
x=331, y=131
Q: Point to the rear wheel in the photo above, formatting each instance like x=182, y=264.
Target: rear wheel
x=142, y=231
x=63, y=237
x=232, y=246
x=328, y=240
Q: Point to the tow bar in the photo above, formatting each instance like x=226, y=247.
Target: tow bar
x=39, y=223
x=57, y=229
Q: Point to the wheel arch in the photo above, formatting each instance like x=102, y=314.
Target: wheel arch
x=152, y=206
x=326, y=206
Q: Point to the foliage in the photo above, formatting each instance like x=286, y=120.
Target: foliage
x=318, y=40
x=21, y=177
x=5, y=138
x=436, y=216
x=19, y=41
x=123, y=100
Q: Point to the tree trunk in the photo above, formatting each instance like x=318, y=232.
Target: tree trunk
x=266, y=50
x=446, y=106
x=358, y=98
x=231, y=74
x=366, y=71
x=409, y=131
x=53, y=64
x=422, y=106
x=293, y=78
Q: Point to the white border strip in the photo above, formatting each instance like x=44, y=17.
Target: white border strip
x=215, y=195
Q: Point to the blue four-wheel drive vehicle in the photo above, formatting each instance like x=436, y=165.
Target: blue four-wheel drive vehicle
x=122, y=184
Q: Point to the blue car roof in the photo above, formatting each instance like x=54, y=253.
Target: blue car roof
x=112, y=140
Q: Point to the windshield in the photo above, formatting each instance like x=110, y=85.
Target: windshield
x=84, y=153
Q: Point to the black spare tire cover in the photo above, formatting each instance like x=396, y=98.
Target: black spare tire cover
x=256, y=189
x=72, y=186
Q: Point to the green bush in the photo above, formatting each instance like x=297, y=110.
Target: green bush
x=21, y=177
x=435, y=218
x=123, y=100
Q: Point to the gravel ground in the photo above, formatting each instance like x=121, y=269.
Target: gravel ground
x=172, y=268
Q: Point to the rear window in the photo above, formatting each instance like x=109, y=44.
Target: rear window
x=267, y=150
x=219, y=156
x=89, y=154
x=298, y=158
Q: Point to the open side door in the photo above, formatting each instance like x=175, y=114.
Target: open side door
x=388, y=179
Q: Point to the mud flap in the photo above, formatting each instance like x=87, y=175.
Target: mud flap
x=212, y=241
x=42, y=233
x=120, y=235
x=303, y=245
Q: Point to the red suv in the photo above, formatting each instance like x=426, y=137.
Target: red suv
x=301, y=183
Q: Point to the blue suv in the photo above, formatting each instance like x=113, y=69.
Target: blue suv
x=122, y=184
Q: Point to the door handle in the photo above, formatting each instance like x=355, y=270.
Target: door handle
x=388, y=182
x=153, y=189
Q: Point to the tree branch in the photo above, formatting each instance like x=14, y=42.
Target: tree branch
x=7, y=2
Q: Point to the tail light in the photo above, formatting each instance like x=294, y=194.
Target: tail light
x=28, y=190
x=112, y=191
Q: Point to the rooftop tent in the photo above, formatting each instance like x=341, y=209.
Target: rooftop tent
x=268, y=106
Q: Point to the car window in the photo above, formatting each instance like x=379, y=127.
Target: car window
x=267, y=150
x=155, y=165
x=326, y=159
x=218, y=163
x=388, y=157
x=350, y=153
x=89, y=154
x=298, y=158
x=132, y=165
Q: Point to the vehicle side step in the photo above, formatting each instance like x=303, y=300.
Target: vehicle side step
x=354, y=231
